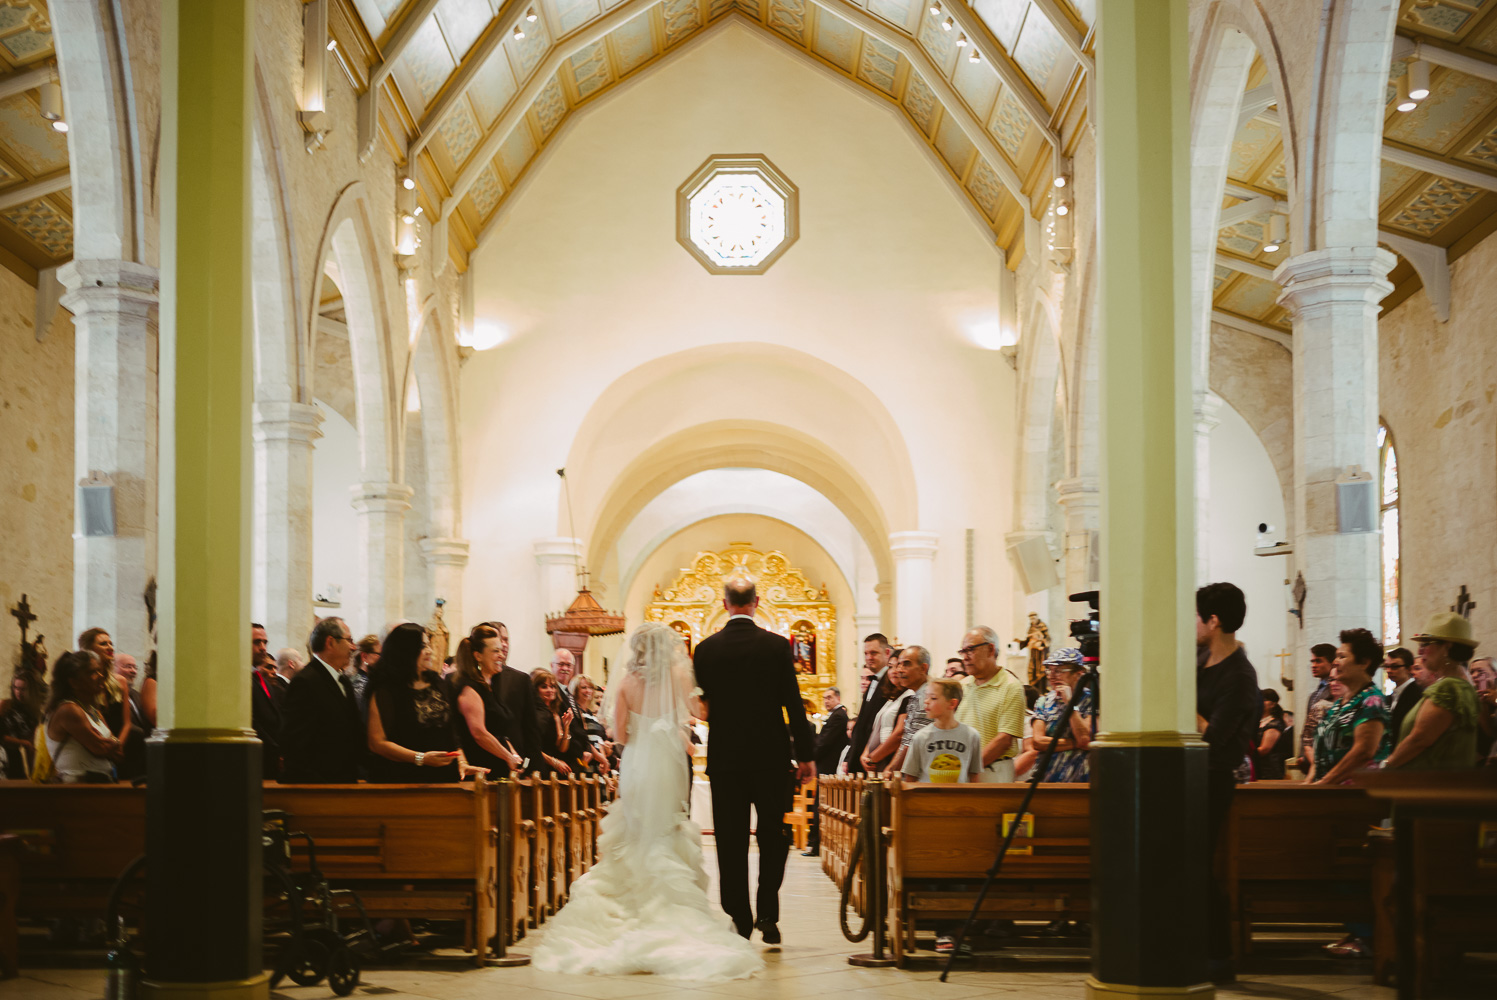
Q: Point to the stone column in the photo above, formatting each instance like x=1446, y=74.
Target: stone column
x=914, y=564
x=114, y=442
x=448, y=557
x=1148, y=766
x=1081, y=501
x=204, y=895
x=282, y=592
x=1333, y=295
x=381, y=508
x=1206, y=411
x=885, y=592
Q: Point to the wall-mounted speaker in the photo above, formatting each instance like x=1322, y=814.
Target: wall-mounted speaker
x=96, y=505
x=1035, y=565
x=1356, y=502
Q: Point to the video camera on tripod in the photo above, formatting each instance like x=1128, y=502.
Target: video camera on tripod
x=1088, y=631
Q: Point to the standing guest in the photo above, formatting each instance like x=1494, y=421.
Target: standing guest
x=1321, y=655
x=82, y=749
x=1398, y=666
x=992, y=704
x=1271, y=745
x=19, y=716
x=888, y=725
x=288, y=663
x=1484, y=679
x=488, y=728
x=266, y=702
x=876, y=692
x=133, y=760
x=831, y=740
x=1353, y=733
x=1064, y=669
x=364, y=660
x=322, y=734
x=955, y=669
x=1228, y=703
x=113, y=702
x=564, y=666
x=1440, y=732
x=554, y=723
x=412, y=722
x=517, y=693
x=148, y=691
x=915, y=667
x=588, y=702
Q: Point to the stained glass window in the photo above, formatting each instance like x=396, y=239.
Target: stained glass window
x=737, y=214
x=1388, y=491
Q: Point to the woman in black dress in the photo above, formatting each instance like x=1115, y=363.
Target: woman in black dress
x=1273, y=743
x=487, y=729
x=555, y=726
x=412, y=721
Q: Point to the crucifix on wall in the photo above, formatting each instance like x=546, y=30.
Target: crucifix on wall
x=1282, y=656
x=1463, y=603
x=22, y=614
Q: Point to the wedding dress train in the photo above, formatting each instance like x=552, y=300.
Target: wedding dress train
x=643, y=907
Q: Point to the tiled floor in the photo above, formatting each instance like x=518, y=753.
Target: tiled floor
x=811, y=964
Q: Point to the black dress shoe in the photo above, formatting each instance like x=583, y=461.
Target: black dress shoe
x=769, y=931
x=744, y=928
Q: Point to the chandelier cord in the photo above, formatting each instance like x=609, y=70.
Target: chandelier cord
x=579, y=572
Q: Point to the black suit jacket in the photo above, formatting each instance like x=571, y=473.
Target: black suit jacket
x=830, y=741
x=322, y=735
x=517, y=693
x=747, y=677
x=873, y=700
x=265, y=717
x=1406, y=702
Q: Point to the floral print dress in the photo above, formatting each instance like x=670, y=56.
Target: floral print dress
x=1338, y=728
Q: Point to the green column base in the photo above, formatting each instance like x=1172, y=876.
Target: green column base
x=253, y=988
x=1097, y=990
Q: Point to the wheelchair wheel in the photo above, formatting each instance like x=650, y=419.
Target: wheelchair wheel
x=342, y=970
x=311, y=960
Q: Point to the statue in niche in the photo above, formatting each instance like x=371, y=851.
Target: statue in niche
x=684, y=630
x=1037, y=641
x=803, y=647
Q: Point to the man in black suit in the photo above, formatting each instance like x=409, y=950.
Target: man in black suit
x=515, y=692
x=1399, y=666
x=322, y=735
x=265, y=703
x=876, y=650
x=829, y=745
x=746, y=676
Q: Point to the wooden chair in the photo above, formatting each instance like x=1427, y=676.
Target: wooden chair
x=802, y=808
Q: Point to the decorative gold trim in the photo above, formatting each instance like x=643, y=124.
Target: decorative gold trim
x=1165, y=738
x=187, y=734
x=1097, y=990
x=254, y=988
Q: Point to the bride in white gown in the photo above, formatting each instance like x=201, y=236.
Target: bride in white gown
x=643, y=906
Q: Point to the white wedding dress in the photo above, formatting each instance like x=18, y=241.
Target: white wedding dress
x=643, y=907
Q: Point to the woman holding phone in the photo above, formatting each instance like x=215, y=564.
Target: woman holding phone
x=412, y=721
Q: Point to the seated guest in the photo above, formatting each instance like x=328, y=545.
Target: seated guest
x=1440, y=732
x=1063, y=670
x=412, y=722
x=78, y=739
x=1353, y=733
x=1398, y=667
x=589, y=703
x=487, y=729
x=1271, y=745
x=322, y=735
x=554, y=724
x=888, y=724
x=517, y=693
x=19, y=716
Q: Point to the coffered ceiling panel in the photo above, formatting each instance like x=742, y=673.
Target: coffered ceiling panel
x=36, y=232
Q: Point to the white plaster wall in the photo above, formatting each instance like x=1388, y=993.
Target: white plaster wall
x=335, y=528
x=888, y=283
x=1244, y=492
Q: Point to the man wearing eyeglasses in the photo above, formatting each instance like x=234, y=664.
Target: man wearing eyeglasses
x=322, y=733
x=993, y=705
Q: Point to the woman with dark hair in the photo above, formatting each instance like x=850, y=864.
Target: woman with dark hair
x=1353, y=733
x=412, y=723
x=1440, y=731
x=148, y=691
x=555, y=725
x=1273, y=742
x=19, y=715
x=78, y=739
x=487, y=728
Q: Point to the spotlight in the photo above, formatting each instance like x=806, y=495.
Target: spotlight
x=519, y=32
x=1418, y=80
x=51, y=100
x=1061, y=180
x=1277, y=227
x=975, y=56
x=935, y=10
x=419, y=210
x=961, y=41
x=332, y=43
x=408, y=183
x=59, y=126
x=948, y=24
x=530, y=15
x=1063, y=209
x=408, y=219
x=1404, y=101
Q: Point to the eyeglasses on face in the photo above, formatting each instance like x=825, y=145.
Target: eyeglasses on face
x=965, y=650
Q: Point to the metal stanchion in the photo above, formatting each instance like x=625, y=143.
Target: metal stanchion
x=875, y=860
x=500, y=957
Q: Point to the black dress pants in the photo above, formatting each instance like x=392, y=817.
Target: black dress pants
x=769, y=792
x=1220, y=787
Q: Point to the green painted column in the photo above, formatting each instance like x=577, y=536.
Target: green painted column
x=203, y=793
x=1149, y=862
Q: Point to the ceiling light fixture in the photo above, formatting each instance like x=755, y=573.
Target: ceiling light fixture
x=51, y=101
x=519, y=32
x=59, y=126
x=408, y=183
x=530, y=15
x=1404, y=101
x=408, y=219
x=332, y=43
x=1063, y=209
x=935, y=10
x=1418, y=80
x=1061, y=180
x=419, y=210
x=948, y=24
x=961, y=41
x=975, y=56
x=1277, y=227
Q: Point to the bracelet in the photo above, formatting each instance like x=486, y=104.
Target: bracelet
x=419, y=758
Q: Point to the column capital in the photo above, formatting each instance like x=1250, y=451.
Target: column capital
x=558, y=551
x=282, y=420
x=913, y=544
x=108, y=285
x=381, y=498
x=1335, y=274
x=884, y=591
x=445, y=551
x=1082, y=491
x=1206, y=409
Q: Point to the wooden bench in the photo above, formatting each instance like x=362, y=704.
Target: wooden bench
x=802, y=806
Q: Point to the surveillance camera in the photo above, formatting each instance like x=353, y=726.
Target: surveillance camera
x=1264, y=527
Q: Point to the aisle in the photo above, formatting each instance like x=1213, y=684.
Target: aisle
x=812, y=963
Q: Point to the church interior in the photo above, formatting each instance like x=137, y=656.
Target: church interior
x=924, y=316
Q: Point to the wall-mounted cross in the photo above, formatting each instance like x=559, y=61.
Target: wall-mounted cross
x=1463, y=603
x=1283, y=655
x=22, y=614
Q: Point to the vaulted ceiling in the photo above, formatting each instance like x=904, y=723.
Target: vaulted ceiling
x=36, y=208
x=1439, y=170
x=470, y=91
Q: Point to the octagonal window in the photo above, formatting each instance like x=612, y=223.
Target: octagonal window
x=737, y=214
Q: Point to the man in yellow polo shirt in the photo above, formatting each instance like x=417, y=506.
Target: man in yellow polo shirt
x=993, y=704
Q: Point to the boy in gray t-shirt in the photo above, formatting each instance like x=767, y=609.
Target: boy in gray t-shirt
x=946, y=750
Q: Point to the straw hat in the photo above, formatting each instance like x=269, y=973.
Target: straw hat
x=1447, y=626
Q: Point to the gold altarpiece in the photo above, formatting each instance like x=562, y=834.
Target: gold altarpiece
x=692, y=605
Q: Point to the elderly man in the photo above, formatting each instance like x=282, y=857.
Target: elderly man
x=916, y=663
x=133, y=763
x=322, y=735
x=993, y=705
x=564, y=666
x=288, y=664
